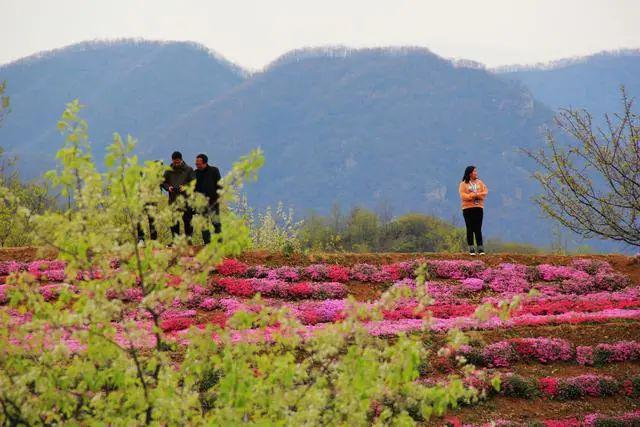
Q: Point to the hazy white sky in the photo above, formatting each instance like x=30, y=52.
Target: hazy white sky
x=253, y=33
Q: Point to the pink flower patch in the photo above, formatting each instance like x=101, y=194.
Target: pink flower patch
x=549, y=386
x=232, y=267
x=337, y=273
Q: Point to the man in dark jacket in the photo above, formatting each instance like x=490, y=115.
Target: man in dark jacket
x=208, y=183
x=175, y=181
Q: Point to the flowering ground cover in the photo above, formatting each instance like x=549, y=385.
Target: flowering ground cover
x=461, y=294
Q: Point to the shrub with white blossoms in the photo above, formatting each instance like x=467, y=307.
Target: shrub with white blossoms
x=277, y=231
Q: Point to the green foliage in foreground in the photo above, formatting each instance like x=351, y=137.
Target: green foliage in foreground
x=125, y=371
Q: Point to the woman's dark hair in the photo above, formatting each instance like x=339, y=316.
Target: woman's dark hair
x=467, y=173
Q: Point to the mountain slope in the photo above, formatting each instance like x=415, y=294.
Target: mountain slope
x=127, y=86
x=591, y=82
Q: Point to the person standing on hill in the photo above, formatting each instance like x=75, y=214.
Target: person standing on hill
x=472, y=193
x=208, y=183
x=175, y=181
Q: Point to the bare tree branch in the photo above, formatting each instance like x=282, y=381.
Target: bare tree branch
x=592, y=185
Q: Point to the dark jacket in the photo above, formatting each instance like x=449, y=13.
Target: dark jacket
x=176, y=177
x=208, y=183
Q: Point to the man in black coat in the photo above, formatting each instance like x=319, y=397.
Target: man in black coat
x=175, y=181
x=208, y=183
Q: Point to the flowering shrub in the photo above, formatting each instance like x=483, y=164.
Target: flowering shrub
x=632, y=386
x=316, y=272
x=548, y=386
x=591, y=266
x=471, y=285
x=444, y=311
x=257, y=271
x=549, y=272
x=176, y=320
x=611, y=281
x=505, y=353
x=447, y=269
x=290, y=274
x=500, y=354
x=9, y=267
x=585, y=385
x=4, y=290
x=363, y=272
x=232, y=267
x=45, y=270
x=50, y=275
x=126, y=295
x=599, y=420
x=579, y=303
x=209, y=304
x=507, y=278
x=590, y=420
x=398, y=271
x=337, y=273
x=281, y=289
x=49, y=292
x=622, y=351
x=544, y=350
x=311, y=313
x=457, y=269
x=567, y=388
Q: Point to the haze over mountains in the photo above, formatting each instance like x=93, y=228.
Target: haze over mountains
x=127, y=87
x=592, y=82
x=365, y=127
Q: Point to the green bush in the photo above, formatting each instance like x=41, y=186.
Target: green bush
x=271, y=231
x=612, y=422
x=475, y=357
x=517, y=386
x=568, y=391
x=609, y=387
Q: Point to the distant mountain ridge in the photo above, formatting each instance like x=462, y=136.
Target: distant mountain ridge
x=130, y=87
x=98, y=44
x=565, y=62
x=591, y=83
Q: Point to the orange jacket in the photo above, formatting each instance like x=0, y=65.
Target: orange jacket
x=471, y=199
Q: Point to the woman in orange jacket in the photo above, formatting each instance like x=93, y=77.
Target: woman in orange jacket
x=472, y=193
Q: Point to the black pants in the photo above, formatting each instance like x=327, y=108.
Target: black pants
x=214, y=215
x=153, y=233
x=187, y=215
x=473, y=221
